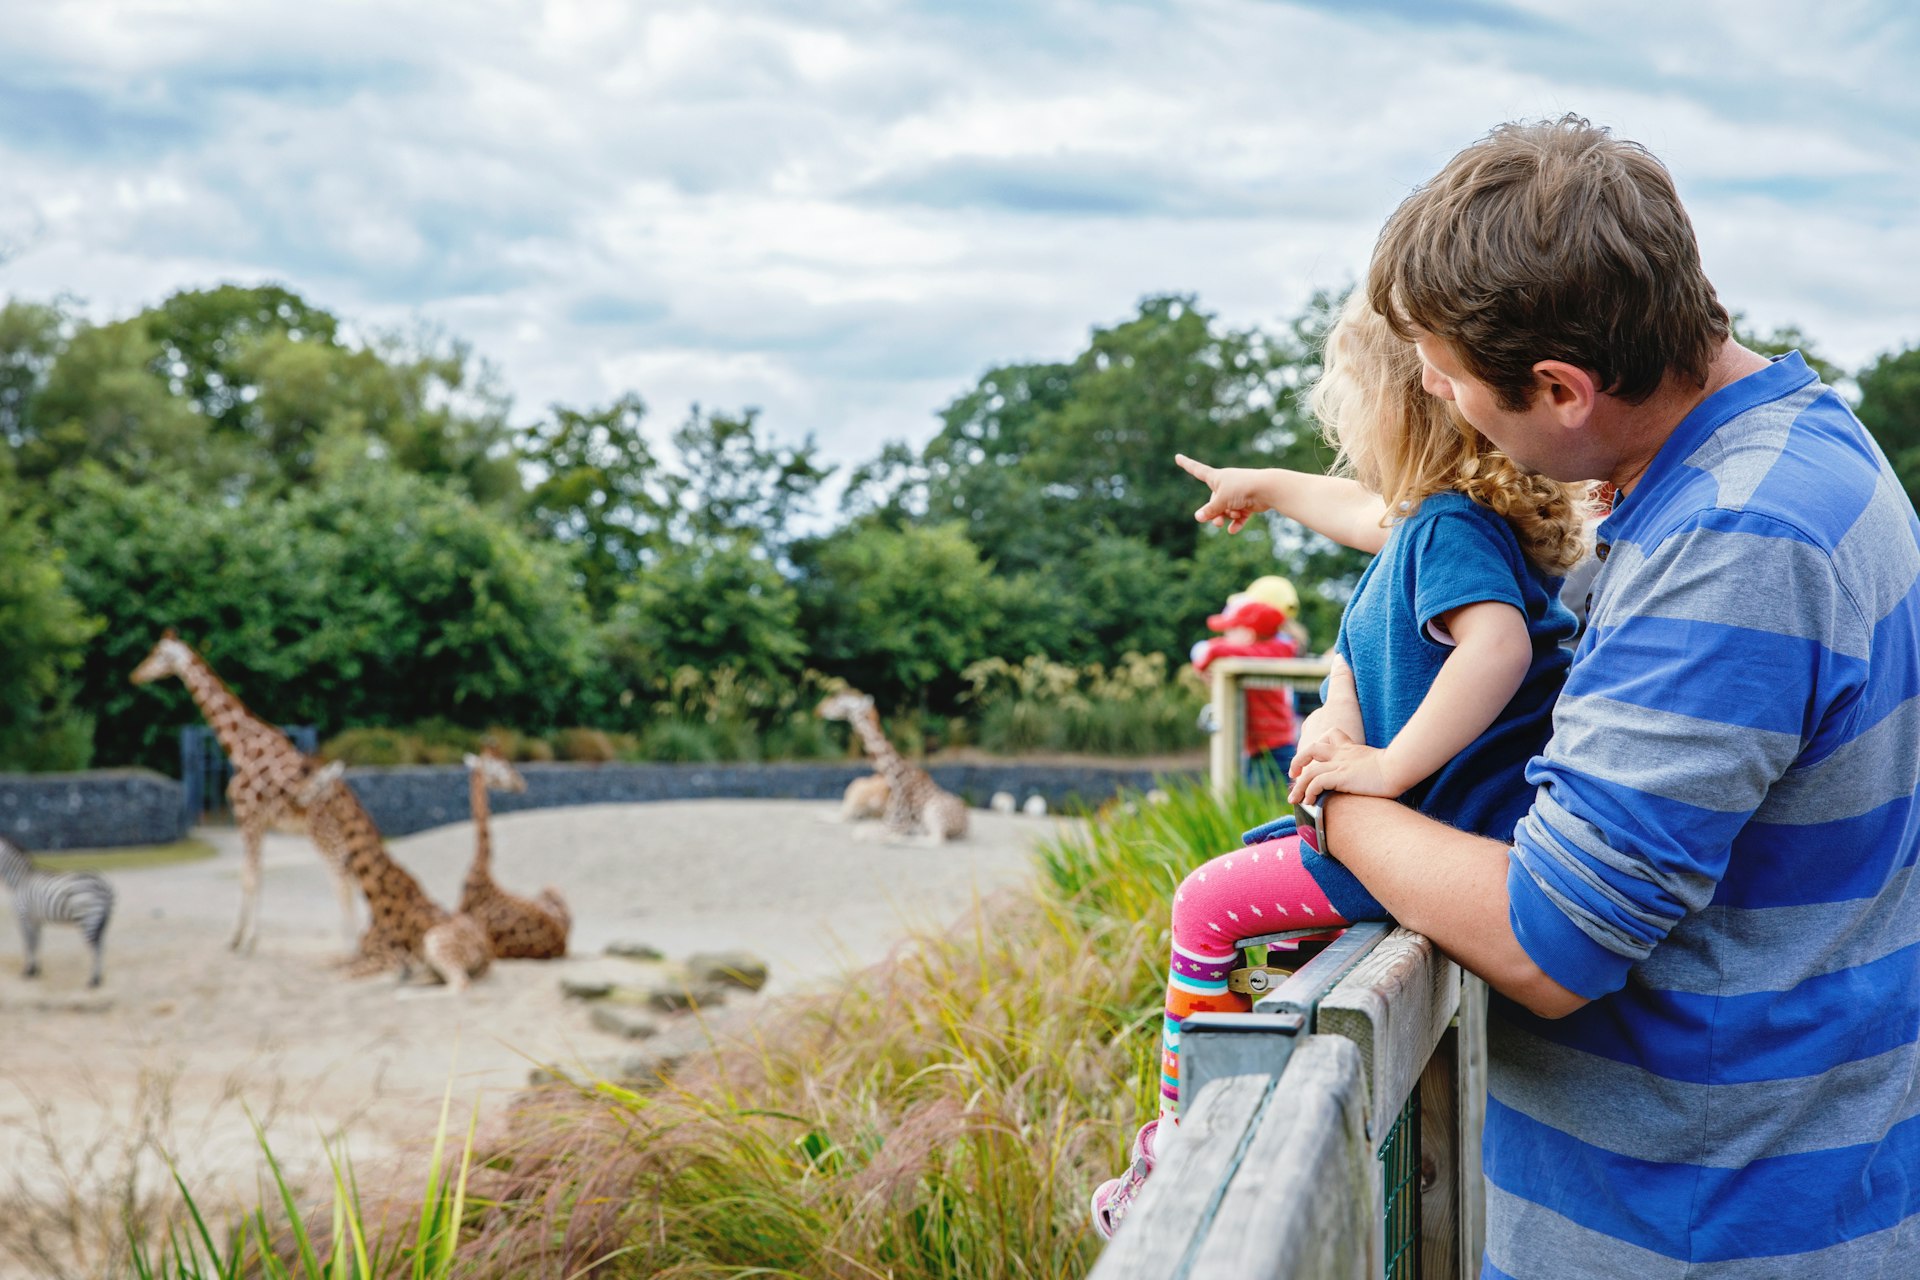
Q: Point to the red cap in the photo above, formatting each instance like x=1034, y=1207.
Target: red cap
x=1261, y=619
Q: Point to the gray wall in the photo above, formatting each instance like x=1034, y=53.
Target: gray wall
x=103, y=808
x=108, y=807
x=408, y=799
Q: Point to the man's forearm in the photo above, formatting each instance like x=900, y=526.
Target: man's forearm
x=1445, y=884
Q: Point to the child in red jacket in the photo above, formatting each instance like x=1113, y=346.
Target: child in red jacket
x=1252, y=630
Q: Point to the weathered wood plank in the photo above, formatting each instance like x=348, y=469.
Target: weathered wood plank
x=1394, y=1006
x=1301, y=1206
x=1173, y=1207
x=1224, y=748
x=1229, y=710
x=1440, y=1173
x=1470, y=1091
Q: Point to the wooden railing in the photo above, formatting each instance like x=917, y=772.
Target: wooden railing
x=1279, y=1175
x=1231, y=678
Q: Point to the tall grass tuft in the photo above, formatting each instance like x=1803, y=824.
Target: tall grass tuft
x=283, y=1245
x=943, y=1115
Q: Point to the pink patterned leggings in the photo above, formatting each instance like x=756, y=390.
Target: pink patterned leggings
x=1262, y=888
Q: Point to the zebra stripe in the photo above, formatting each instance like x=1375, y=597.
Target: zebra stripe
x=78, y=898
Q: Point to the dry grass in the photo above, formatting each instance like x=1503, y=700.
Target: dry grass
x=943, y=1116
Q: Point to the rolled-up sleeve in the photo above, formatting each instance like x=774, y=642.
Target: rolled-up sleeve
x=1710, y=666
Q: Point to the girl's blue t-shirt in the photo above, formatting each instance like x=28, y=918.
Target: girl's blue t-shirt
x=1452, y=552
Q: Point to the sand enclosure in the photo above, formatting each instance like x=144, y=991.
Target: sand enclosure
x=186, y=1039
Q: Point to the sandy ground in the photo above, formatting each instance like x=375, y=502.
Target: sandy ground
x=186, y=1038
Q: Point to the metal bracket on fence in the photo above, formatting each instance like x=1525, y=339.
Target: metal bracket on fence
x=1214, y=1046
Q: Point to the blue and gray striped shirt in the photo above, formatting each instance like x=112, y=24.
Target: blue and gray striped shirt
x=1720, y=856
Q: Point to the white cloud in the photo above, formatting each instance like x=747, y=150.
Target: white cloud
x=844, y=211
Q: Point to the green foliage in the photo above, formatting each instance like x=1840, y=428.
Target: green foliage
x=604, y=493
x=31, y=335
x=897, y=612
x=1133, y=709
x=1039, y=458
x=375, y=598
x=707, y=606
x=243, y=390
x=46, y=635
x=735, y=487
x=280, y=1243
x=1890, y=408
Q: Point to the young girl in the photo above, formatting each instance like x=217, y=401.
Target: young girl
x=1452, y=638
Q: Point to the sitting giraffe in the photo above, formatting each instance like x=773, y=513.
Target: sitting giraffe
x=267, y=769
x=517, y=928
x=865, y=798
x=407, y=926
x=916, y=804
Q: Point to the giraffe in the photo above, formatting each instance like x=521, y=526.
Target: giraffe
x=916, y=804
x=517, y=928
x=407, y=927
x=267, y=769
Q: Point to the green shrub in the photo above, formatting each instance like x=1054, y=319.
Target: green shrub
x=684, y=741
x=374, y=746
x=1135, y=708
x=586, y=746
x=800, y=736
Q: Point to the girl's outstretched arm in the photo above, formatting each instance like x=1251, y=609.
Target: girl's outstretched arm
x=1332, y=506
x=1491, y=656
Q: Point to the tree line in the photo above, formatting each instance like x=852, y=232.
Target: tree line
x=355, y=531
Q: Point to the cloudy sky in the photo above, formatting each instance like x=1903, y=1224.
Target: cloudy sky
x=843, y=211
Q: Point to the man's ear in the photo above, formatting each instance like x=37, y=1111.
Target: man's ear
x=1567, y=391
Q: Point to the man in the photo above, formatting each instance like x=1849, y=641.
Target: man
x=1706, y=953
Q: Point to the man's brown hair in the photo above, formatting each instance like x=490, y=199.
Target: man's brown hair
x=1552, y=241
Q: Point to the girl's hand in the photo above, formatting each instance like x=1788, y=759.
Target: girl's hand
x=1336, y=762
x=1238, y=494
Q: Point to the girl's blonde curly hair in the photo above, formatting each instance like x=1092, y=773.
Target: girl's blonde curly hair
x=1406, y=445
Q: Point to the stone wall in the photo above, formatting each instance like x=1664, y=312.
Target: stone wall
x=109, y=807
x=99, y=809
x=408, y=799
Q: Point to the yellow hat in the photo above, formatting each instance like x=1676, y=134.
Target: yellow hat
x=1276, y=591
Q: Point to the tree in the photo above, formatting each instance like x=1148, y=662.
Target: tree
x=46, y=634
x=1890, y=409
x=1038, y=459
x=898, y=612
x=100, y=401
x=242, y=390
x=31, y=335
x=600, y=491
x=732, y=486
x=707, y=607
x=375, y=598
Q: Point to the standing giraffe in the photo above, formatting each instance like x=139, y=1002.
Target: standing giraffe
x=917, y=804
x=517, y=928
x=406, y=926
x=267, y=770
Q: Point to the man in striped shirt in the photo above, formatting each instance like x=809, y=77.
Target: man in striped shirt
x=1705, y=1049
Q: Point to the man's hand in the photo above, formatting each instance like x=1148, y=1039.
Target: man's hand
x=1237, y=494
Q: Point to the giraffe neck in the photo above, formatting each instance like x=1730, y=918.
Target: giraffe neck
x=380, y=878
x=481, y=873
x=885, y=758
x=228, y=717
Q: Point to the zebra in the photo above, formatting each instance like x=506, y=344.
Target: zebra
x=66, y=897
